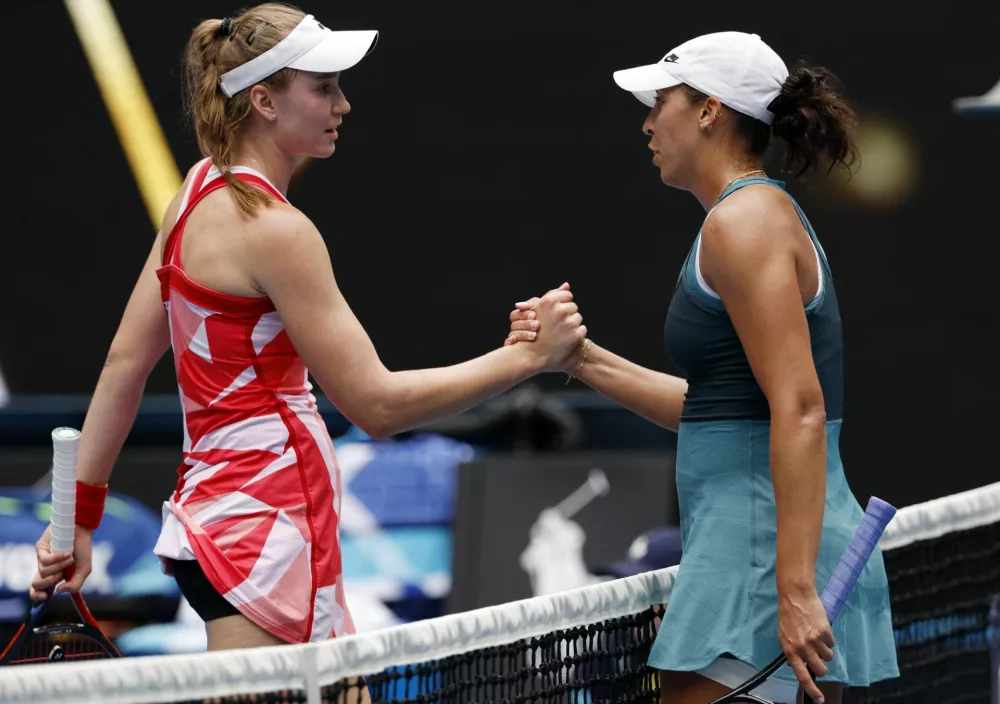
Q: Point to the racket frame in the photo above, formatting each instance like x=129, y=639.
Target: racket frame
x=87, y=627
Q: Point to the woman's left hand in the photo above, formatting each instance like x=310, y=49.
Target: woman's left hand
x=805, y=635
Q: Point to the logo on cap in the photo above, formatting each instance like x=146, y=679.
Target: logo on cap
x=670, y=58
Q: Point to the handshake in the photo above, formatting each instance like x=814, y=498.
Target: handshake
x=553, y=326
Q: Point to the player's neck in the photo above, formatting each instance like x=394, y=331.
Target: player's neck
x=267, y=160
x=717, y=176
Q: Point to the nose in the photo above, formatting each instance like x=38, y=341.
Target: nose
x=341, y=107
x=647, y=125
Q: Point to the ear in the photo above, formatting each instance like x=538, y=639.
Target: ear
x=710, y=108
x=710, y=111
x=261, y=103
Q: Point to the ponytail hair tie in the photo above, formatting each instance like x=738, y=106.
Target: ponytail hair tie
x=780, y=106
x=226, y=30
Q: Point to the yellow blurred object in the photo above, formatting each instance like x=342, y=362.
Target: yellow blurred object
x=888, y=168
x=121, y=87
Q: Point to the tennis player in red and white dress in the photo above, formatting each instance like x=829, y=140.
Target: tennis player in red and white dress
x=259, y=482
x=240, y=285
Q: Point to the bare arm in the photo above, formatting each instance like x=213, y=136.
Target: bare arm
x=142, y=338
x=657, y=397
x=749, y=257
x=292, y=265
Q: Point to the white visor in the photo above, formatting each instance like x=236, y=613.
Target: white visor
x=644, y=81
x=309, y=47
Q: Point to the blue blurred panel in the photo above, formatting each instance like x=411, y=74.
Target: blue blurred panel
x=398, y=563
x=410, y=482
x=163, y=639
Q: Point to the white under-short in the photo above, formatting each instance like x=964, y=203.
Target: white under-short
x=732, y=673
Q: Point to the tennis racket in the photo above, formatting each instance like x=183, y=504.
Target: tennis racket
x=80, y=640
x=845, y=576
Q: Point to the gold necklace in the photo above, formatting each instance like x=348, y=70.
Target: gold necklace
x=737, y=178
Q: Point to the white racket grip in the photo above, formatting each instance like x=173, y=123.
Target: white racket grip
x=65, y=443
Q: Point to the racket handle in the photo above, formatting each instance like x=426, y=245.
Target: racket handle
x=859, y=550
x=65, y=443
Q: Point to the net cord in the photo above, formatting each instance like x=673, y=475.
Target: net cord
x=958, y=512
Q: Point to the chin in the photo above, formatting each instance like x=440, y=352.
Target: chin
x=323, y=152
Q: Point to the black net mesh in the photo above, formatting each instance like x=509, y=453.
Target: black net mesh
x=940, y=591
x=602, y=662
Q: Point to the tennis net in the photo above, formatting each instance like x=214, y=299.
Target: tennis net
x=943, y=562
x=582, y=646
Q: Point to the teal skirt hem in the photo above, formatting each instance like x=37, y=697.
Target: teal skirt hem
x=725, y=600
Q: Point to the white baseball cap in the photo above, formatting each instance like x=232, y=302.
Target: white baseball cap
x=737, y=68
x=308, y=47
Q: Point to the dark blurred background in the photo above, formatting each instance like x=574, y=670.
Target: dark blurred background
x=489, y=157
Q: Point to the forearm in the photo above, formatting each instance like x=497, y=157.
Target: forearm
x=417, y=397
x=109, y=419
x=655, y=396
x=798, y=471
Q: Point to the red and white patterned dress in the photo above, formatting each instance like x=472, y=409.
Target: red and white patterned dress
x=258, y=498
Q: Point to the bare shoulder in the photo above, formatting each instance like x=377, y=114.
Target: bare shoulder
x=755, y=221
x=283, y=243
x=282, y=225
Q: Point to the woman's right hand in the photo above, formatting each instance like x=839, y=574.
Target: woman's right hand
x=805, y=635
x=556, y=326
x=53, y=565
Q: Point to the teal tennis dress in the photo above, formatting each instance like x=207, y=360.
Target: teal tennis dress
x=724, y=601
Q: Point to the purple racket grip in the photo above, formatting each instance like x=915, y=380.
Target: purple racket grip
x=845, y=576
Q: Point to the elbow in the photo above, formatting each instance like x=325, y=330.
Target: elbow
x=120, y=365
x=380, y=418
x=813, y=415
x=373, y=421
x=366, y=401
x=805, y=411
x=376, y=428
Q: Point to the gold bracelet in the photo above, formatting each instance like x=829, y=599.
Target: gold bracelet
x=578, y=365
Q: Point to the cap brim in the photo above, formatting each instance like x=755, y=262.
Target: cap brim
x=987, y=103
x=338, y=51
x=644, y=81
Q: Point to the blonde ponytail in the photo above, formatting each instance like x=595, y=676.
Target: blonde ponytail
x=210, y=53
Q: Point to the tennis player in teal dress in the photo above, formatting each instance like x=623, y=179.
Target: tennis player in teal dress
x=754, y=326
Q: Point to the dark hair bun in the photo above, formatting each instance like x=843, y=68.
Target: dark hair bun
x=815, y=121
